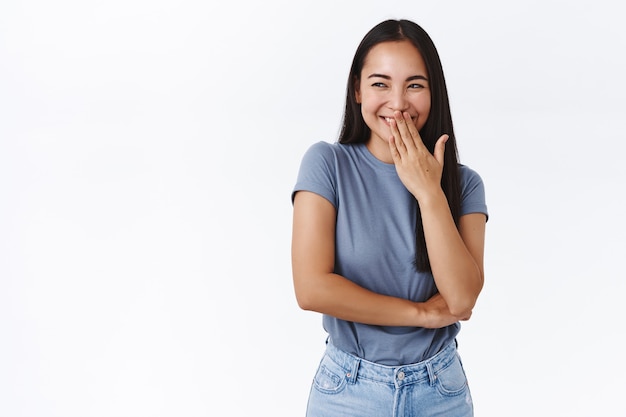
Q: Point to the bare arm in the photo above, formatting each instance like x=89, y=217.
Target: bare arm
x=456, y=255
x=319, y=289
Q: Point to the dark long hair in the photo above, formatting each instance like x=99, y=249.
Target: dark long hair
x=354, y=129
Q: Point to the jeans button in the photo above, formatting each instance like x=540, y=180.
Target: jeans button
x=400, y=376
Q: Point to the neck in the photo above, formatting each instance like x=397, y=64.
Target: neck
x=380, y=149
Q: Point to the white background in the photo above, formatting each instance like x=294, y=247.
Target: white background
x=147, y=155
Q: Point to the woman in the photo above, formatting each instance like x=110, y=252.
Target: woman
x=388, y=238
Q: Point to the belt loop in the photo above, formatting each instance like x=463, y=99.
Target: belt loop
x=431, y=373
x=354, y=370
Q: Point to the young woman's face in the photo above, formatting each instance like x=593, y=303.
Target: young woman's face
x=394, y=77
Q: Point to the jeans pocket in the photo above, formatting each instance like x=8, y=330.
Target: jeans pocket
x=451, y=380
x=330, y=377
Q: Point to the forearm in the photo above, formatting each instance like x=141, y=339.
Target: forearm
x=339, y=297
x=457, y=275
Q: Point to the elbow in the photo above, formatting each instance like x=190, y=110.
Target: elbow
x=463, y=303
x=305, y=302
x=462, y=311
x=462, y=306
x=305, y=296
x=312, y=290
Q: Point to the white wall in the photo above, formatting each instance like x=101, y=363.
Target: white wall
x=147, y=154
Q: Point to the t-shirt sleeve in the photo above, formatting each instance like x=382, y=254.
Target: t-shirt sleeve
x=472, y=192
x=318, y=172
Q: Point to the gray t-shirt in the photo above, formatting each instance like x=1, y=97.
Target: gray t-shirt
x=375, y=245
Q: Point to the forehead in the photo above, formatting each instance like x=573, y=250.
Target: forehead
x=397, y=57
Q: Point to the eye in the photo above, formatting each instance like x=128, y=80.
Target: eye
x=379, y=84
x=415, y=86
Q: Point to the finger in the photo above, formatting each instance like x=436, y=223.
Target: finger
x=393, y=148
x=413, y=132
x=403, y=128
x=440, y=148
x=398, y=142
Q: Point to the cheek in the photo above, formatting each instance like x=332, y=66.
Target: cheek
x=367, y=109
x=423, y=109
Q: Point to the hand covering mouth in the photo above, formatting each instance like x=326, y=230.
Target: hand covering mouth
x=389, y=119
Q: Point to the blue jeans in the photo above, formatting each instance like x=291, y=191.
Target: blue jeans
x=348, y=386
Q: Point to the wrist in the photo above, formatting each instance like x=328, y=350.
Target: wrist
x=433, y=199
x=421, y=315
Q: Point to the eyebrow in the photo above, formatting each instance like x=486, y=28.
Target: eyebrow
x=386, y=77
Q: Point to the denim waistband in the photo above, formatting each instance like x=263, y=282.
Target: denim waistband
x=425, y=371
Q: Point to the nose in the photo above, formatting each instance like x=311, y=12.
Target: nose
x=398, y=100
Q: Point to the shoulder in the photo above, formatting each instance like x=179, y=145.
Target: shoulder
x=318, y=171
x=326, y=153
x=322, y=149
x=472, y=191
x=469, y=177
